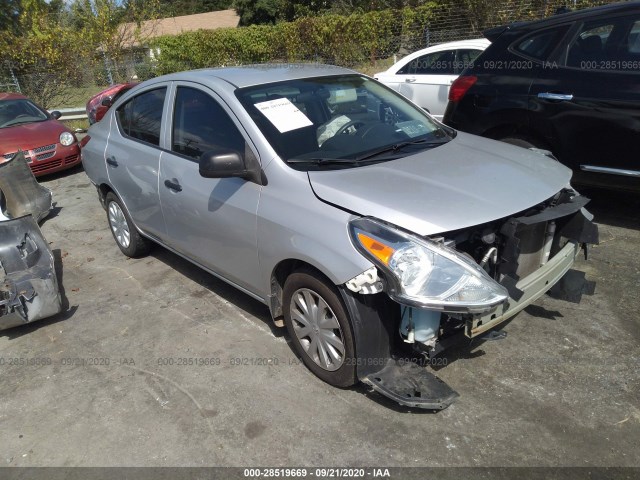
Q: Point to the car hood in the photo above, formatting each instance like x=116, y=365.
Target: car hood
x=468, y=181
x=30, y=135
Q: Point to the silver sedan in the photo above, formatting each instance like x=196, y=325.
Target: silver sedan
x=371, y=231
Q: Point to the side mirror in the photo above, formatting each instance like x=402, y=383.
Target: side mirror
x=56, y=114
x=221, y=163
x=106, y=102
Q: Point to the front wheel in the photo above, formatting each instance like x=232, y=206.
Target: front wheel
x=124, y=232
x=319, y=328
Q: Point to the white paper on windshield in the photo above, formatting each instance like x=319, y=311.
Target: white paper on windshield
x=284, y=115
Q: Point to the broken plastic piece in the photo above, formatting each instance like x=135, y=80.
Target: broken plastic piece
x=411, y=385
x=366, y=283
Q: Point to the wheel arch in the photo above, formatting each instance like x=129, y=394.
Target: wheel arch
x=373, y=317
x=518, y=131
x=279, y=275
x=103, y=190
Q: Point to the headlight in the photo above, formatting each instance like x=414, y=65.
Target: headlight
x=426, y=274
x=66, y=139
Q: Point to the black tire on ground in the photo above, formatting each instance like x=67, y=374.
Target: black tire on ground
x=124, y=232
x=312, y=289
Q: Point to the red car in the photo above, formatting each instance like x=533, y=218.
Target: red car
x=98, y=105
x=47, y=144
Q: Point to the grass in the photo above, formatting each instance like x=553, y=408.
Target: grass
x=73, y=125
x=78, y=96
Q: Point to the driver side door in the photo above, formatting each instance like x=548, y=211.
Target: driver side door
x=212, y=221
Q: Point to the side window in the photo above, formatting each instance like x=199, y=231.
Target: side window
x=588, y=46
x=611, y=44
x=141, y=116
x=200, y=124
x=431, y=64
x=465, y=58
x=540, y=45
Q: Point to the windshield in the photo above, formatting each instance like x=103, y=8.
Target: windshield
x=20, y=111
x=339, y=121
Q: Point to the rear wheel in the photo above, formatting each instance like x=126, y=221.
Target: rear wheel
x=124, y=232
x=319, y=328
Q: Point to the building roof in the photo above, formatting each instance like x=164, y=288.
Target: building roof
x=176, y=25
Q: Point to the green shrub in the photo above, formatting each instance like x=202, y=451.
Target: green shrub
x=335, y=39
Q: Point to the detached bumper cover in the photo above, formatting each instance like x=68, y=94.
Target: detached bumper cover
x=29, y=290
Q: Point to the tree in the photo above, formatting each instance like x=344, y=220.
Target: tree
x=271, y=11
x=176, y=8
x=258, y=12
x=9, y=14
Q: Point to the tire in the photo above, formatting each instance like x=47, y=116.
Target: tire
x=124, y=232
x=332, y=356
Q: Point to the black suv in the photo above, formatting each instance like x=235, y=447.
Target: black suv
x=569, y=84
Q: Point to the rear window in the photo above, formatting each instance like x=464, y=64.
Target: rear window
x=140, y=117
x=540, y=45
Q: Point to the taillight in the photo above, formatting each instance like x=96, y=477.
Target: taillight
x=460, y=87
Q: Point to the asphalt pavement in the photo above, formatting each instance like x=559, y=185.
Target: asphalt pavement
x=157, y=363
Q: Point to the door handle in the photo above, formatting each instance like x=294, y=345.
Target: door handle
x=410, y=79
x=562, y=97
x=112, y=161
x=173, y=185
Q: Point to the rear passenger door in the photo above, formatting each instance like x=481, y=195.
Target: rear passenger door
x=212, y=221
x=426, y=80
x=133, y=157
x=589, y=99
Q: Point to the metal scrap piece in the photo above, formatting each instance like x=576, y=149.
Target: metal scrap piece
x=22, y=193
x=29, y=290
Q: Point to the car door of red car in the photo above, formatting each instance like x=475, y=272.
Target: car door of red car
x=587, y=101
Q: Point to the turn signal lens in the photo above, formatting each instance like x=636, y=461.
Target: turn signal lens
x=379, y=250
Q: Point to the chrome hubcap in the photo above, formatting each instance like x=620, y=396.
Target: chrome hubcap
x=317, y=329
x=119, y=225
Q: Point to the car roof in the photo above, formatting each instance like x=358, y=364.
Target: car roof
x=250, y=75
x=612, y=8
x=12, y=96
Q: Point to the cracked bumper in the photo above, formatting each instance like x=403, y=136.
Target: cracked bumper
x=533, y=286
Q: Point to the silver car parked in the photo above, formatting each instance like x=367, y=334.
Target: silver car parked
x=365, y=225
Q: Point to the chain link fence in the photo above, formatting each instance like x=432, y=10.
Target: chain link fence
x=455, y=20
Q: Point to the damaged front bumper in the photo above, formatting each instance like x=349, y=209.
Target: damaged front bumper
x=29, y=291
x=530, y=254
x=532, y=287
